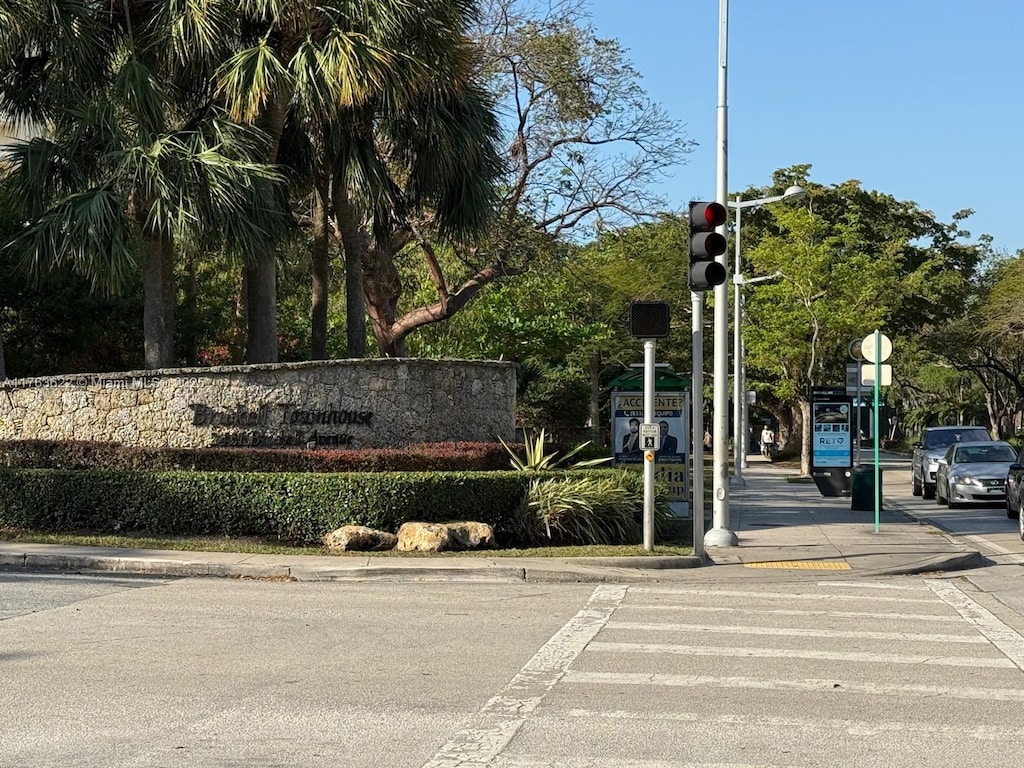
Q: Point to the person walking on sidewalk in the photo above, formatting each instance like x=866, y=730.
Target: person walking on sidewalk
x=767, y=441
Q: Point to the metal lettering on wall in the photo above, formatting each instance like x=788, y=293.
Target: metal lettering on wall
x=262, y=427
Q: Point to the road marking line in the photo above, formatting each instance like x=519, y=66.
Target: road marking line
x=789, y=653
x=772, y=595
x=790, y=632
x=793, y=612
x=502, y=716
x=1003, y=637
x=837, y=686
x=605, y=762
x=873, y=585
x=852, y=727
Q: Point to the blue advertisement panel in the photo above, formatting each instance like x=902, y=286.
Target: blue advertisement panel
x=831, y=445
x=831, y=440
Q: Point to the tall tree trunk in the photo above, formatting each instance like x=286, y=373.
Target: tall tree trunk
x=158, y=301
x=805, y=438
x=261, y=266
x=321, y=270
x=382, y=288
x=354, y=243
x=239, y=329
x=261, y=299
x=594, y=369
x=190, y=307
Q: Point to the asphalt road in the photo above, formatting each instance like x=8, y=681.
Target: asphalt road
x=989, y=522
x=820, y=671
x=985, y=528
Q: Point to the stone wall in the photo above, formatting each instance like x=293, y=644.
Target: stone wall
x=340, y=403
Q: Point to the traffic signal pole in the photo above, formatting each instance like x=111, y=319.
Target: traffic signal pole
x=697, y=420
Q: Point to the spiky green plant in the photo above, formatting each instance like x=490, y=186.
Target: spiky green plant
x=536, y=460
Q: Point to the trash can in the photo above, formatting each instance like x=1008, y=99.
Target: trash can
x=862, y=491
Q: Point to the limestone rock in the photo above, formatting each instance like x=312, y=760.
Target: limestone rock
x=472, y=535
x=439, y=537
x=359, y=538
x=424, y=537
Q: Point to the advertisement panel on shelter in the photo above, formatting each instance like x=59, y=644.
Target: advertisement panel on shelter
x=831, y=445
x=671, y=413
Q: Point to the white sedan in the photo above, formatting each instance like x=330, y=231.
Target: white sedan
x=974, y=473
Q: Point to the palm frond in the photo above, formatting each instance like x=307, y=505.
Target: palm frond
x=139, y=90
x=250, y=78
x=87, y=231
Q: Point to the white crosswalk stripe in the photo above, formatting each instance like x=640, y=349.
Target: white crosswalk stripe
x=847, y=686
x=790, y=653
x=950, y=619
x=829, y=673
x=721, y=629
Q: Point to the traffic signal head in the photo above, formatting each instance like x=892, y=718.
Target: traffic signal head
x=706, y=245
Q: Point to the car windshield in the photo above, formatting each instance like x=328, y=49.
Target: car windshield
x=982, y=453
x=947, y=437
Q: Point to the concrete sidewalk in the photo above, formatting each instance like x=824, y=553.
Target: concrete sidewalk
x=789, y=525
x=780, y=525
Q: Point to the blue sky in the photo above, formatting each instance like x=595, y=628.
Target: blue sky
x=919, y=99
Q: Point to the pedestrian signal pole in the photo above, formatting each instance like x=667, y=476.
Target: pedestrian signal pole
x=649, y=320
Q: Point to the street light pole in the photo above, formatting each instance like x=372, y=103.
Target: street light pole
x=739, y=428
x=720, y=535
x=741, y=408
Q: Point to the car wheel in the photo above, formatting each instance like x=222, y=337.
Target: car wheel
x=928, y=492
x=1011, y=513
x=915, y=488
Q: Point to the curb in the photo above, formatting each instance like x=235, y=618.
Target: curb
x=139, y=567
x=956, y=562
x=411, y=574
x=595, y=569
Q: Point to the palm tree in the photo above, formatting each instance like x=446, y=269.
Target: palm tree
x=414, y=175
x=134, y=160
x=340, y=71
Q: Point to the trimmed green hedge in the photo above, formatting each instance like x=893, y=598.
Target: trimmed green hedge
x=296, y=507
x=422, y=457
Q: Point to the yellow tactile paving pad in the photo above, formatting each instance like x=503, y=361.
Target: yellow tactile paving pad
x=816, y=565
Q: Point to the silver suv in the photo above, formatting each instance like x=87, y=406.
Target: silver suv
x=927, y=452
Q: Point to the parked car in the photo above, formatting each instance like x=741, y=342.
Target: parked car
x=930, y=448
x=974, y=473
x=1015, y=491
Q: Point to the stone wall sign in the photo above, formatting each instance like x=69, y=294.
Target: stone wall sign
x=341, y=403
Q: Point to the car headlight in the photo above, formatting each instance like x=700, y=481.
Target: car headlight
x=962, y=479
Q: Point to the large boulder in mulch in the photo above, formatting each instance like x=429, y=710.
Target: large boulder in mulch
x=359, y=538
x=472, y=535
x=441, y=537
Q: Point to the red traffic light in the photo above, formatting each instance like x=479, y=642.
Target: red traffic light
x=707, y=215
x=706, y=245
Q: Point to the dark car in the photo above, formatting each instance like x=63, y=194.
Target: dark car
x=1015, y=492
x=974, y=473
x=930, y=448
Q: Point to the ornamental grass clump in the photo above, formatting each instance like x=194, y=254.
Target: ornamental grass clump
x=588, y=508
